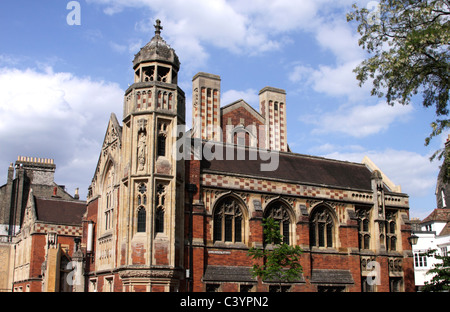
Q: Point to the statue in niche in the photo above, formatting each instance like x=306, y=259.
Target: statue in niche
x=380, y=201
x=142, y=148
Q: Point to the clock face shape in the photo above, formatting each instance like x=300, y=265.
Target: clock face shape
x=142, y=188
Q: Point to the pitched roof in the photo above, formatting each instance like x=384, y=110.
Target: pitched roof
x=438, y=214
x=331, y=277
x=298, y=168
x=228, y=274
x=59, y=211
x=241, y=104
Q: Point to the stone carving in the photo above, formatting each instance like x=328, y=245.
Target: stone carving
x=142, y=144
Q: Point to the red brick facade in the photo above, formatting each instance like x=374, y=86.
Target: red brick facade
x=346, y=257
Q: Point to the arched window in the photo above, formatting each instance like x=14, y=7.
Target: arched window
x=391, y=235
x=279, y=212
x=109, y=203
x=160, y=200
x=363, y=228
x=161, y=145
x=159, y=220
x=321, y=228
x=141, y=219
x=228, y=221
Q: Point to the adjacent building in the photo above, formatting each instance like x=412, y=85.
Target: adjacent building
x=433, y=232
x=39, y=224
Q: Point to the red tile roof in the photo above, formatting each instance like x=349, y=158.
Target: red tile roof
x=60, y=211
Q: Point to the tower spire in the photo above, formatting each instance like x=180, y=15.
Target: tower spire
x=158, y=27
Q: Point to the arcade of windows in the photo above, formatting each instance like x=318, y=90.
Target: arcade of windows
x=160, y=201
x=110, y=201
x=229, y=224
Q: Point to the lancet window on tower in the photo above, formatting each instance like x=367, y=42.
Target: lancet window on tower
x=160, y=208
x=141, y=225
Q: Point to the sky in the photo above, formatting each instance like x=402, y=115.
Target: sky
x=65, y=65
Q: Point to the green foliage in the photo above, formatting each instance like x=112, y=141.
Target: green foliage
x=408, y=45
x=281, y=262
x=441, y=271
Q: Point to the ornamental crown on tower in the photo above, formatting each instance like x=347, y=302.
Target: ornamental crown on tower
x=157, y=50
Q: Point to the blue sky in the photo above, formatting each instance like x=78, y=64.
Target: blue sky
x=59, y=83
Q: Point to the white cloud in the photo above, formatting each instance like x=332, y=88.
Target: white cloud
x=339, y=37
x=55, y=115
x=250, y=27
x=250, y=96
x=337, y=79
x=412, y=171
x=358, y=121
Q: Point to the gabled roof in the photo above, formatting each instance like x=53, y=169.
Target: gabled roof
x=242, y=104
x=59, y=211
x=113, y=133
x=298, y=168
x=438, y=214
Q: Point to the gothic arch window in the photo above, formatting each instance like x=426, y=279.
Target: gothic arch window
x=244, y=136
x=161, y=139
x=141, y=200
x=160, y=207
x=141, y=219
x=322, y=228
x=228, y=225
x=241, y=137
x=280, y=213
x=391, y=234
x=161, y=145
x=159, y=220
x=363, y=227
x=109, y=202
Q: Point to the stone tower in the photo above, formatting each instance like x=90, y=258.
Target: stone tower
x=152, y=189
x=272, y=103
x=206, y=107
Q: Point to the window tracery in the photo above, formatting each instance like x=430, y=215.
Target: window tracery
x=160, y=208
x=363, y=227
x=279, y=212
x=322, y=228
x=141, y=225
x=228, y=221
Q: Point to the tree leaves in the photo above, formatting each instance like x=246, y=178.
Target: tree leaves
x=280, y=261
x=408, y=44
x=441, y=278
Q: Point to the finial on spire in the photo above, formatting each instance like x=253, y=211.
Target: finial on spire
x=158, y=27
